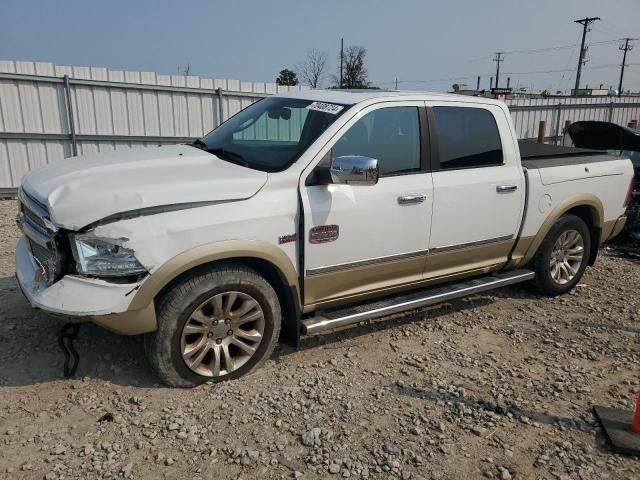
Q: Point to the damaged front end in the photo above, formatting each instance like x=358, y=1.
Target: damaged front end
x=78, y=276
x=57, y=252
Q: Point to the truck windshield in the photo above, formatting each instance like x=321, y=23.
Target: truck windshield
x=271, y=134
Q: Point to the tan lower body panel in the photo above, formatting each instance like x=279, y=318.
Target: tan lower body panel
x=358, y=284
x=618, y=227
x=351, y=282
x=613, y=228
x=132, y=322
x=459, y=260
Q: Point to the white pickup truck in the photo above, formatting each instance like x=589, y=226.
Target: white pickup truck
x=305, y=212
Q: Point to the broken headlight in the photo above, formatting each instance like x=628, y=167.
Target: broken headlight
x=103, y=257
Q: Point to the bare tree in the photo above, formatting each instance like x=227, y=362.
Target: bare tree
x=354, y=72
x=186, y=71
x=314, y=67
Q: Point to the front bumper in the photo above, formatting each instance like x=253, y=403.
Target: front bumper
x=81, y=299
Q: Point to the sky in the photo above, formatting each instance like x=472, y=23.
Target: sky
x=426, y=45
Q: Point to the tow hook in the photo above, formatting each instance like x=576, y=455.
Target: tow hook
x=67, y=334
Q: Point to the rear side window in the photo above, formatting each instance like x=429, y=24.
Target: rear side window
x=466, y=138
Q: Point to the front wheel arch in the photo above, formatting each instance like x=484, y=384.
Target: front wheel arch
x=287, y=294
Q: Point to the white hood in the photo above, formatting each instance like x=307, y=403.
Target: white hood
x=83, y=190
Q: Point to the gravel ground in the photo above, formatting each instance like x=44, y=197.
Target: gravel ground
x=495, y=386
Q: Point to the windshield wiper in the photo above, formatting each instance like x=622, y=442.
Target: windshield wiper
x=230, y=156
x=199, y=144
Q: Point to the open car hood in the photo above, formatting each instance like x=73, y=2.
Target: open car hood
x=82, y=190
x=603, y=136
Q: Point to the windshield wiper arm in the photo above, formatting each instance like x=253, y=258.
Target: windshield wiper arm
x=232, y=157
x=199, y=144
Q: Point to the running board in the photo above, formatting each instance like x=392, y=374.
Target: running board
x=328, y=320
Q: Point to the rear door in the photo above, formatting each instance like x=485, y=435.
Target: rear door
x=478, y=188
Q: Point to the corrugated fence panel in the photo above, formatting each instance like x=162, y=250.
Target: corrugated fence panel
x=110, y=105
x=527, y=112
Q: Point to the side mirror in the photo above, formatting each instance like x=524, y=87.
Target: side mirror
x=354, y=170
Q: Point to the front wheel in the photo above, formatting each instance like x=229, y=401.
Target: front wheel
x=215, y=325
x=563, y=256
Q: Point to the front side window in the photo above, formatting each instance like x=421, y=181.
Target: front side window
x=391, y=135
x=271, y=134
x=466, y=137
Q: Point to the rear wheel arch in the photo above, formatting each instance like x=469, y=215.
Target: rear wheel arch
x=590, y=215
x=588, y=208
x=563, y=256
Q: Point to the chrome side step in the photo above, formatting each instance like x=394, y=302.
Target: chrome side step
x=328, y=320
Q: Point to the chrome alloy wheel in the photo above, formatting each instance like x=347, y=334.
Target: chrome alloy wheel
x=222, y=334
x=566, y=256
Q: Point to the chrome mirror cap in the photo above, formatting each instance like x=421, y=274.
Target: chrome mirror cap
x=354, y=170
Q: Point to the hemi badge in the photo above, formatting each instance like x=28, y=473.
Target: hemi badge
x=287, y=238
x=324, y=233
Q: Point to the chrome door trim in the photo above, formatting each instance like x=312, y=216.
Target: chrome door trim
x=477, y=243
x=364, y=263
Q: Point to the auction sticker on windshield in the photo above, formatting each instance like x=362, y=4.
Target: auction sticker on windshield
x=325, y=107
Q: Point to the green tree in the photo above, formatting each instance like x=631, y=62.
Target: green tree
x=287, y=77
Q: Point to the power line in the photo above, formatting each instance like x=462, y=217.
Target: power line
x=554, y=48
x=541, y=50
x=561, y=82
x=449, y=79
x=585, y=22
x=593, y=67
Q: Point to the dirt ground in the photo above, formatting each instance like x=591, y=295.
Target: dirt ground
x=494, y=386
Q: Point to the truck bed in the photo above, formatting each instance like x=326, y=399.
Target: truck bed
x=540, y=155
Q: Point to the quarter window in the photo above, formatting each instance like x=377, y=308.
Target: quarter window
x=391, y=135
x=467, y=138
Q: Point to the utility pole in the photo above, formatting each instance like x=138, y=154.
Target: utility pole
x=625, y=48
x=498, y=59
x=585, y=22
x=396, y=83
x=341, y=59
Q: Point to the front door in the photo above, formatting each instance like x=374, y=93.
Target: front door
x=364, y=239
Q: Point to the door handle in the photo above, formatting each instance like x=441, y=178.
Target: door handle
x=506, y=188
x=413, y=198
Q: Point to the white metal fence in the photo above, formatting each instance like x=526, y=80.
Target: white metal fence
x=48, y=112
x=528, y=112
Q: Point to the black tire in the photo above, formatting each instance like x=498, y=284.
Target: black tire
x=544, y=282
x=175, y=308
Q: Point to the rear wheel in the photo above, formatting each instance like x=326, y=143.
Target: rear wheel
x=215, y=325
x=563, y=256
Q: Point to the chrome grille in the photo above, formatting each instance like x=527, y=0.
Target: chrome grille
x=47, y=260
x=34, y=222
